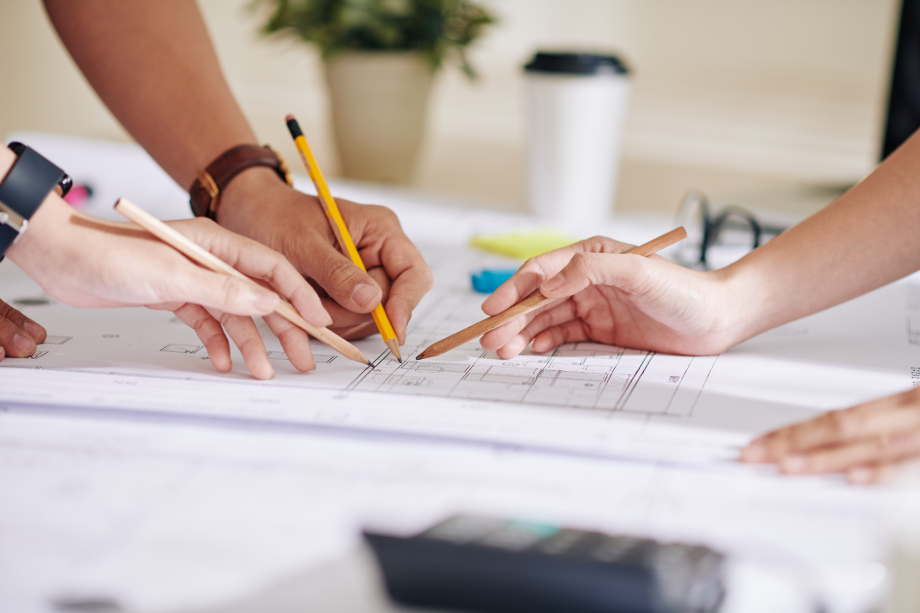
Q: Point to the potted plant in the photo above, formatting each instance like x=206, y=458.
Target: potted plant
x=380, y=58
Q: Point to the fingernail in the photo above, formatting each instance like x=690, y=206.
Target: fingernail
x=24, y=344
x=756, y=451
x=861, y=475
x=794, y=463
x=553, y=283
x=34, y=330
x=363, y=294
x=265, y=301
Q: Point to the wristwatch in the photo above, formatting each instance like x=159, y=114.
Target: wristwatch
x=23, y=190
x=204, y=193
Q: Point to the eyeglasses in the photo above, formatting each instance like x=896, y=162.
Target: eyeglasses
x=714, y=241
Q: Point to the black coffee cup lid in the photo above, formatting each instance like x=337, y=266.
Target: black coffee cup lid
x=576, y=63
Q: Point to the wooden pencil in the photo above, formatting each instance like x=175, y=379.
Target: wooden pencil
x=534, y=301
x=339, y=228
x=205, y=258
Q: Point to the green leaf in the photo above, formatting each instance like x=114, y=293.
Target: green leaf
x=435, y=28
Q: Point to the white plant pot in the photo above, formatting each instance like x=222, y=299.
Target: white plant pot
x=379, y=112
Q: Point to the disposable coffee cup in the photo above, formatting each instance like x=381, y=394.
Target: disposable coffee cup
x=576, y=105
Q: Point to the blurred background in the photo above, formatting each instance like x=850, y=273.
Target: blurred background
x=740, y=98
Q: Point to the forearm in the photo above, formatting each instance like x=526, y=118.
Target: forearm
x=865, y=239
x=153, y=65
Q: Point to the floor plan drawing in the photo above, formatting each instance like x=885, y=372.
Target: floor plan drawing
x=582, y=375
x=609, y=380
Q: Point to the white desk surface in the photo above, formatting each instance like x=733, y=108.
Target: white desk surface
x=176, y=512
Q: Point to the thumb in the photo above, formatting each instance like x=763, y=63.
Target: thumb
x=345, y=283
x=228, y=294
x=586, y=269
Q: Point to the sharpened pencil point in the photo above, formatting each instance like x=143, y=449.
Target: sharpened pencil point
x=393, y=346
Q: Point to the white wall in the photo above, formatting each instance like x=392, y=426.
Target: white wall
x=786, y=88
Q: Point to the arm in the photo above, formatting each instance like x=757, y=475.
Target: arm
x=153, y=65
x=87, y=262
x=864, y=240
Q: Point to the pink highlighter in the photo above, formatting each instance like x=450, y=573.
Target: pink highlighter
x=78, y=195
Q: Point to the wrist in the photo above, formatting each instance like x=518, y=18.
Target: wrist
x=743, y=307
x=44, y=236
x=240, y=200
x=248, y=203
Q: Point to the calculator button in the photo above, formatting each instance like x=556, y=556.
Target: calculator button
x=561, y=542
x=612, y=549
x=511, y=537
x=464, y=529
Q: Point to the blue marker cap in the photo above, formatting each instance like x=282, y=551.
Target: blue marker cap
x=487, y=280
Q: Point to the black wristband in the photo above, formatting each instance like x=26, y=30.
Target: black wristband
x=22, y=191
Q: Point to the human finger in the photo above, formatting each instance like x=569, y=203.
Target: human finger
x=218, y=292
x=880, y=416
x=878, y=449
x=244, y=334
x=493, y=340
x=406, y=269
x=538, y=269
x=585, y=269
x=569, y=332
x=14, y=340
x=258, y=262
x=294, y=341
x=879, y=472
x=869, y=475
x=510, y=345
x=345, y=282
x=32, y=329
x=349, y=320
x=209, y=332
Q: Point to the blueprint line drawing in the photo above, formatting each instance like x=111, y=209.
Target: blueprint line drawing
x=317, y=357
x=179, y=348
x=56, y=340
x=582, y=375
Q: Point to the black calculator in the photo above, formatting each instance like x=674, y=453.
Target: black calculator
x=489, y=565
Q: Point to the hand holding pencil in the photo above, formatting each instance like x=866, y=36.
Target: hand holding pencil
x=276, y=270
x=641, y=302
x=337, y=223
x=537, y=299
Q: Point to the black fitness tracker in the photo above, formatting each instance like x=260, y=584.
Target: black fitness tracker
x=24, y=188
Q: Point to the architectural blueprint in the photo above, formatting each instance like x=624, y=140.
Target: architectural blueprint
x=584, y=397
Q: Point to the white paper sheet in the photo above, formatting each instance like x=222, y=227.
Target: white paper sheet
x=160, y=516
x=587, y=397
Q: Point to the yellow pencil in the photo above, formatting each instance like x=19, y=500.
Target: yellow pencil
x=339, y=228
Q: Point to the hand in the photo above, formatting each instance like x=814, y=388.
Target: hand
x=91, y=263
x=626, y=300
x=18, y=333
x=258, y=205
x=865, y=441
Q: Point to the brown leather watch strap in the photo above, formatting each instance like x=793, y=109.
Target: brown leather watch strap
x=204, y=194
